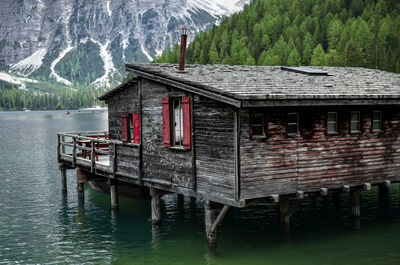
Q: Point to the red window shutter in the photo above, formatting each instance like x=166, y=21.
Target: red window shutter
x=136, y=130
x=186, y=122
x=166, y=126
x=124, y=127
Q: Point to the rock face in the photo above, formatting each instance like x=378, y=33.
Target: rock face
x=37, y=36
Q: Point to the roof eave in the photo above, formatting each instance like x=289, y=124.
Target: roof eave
x=115, y=90
x=251, y=103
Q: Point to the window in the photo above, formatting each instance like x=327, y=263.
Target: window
x=176, y=122
x=355, y=122
x=130, y=128
x=292, y=127
x=257, y=126
x=377, y=121
x=331, y=122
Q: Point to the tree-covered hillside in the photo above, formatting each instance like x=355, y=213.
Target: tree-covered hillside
x=47, y=96
x=303, y=32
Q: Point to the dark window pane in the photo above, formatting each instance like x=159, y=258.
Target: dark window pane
x=292, y=129
x=258, y=119
x=376, y=115
x=332, y=127
x=292, y=118
x=258, y=131
x=331, y=116
x=355, y=126
x=355, y=116
x=376, y=125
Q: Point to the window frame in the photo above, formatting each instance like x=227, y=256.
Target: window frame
x=380, y=121
x=130, y=132
x=172, y=117
x=336, y=131
x=169, y=127
x=359, y=130
x=297, y=133
x=262, y=125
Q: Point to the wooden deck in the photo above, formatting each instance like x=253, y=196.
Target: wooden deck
x=94, y=153
x=89, y=150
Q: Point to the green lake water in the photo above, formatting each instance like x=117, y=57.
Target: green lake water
x=38, y=225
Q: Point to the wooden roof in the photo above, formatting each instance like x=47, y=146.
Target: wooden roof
x=271, y=85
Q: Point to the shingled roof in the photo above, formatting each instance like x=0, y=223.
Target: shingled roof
x=258, y=83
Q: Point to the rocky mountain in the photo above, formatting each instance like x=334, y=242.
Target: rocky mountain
x=88, y=42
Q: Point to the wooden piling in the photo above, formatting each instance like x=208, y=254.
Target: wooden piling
x=284, y=210
x=181, y=200
x=209, y=219
x=355, y=203
x=155, y=206
x=63, y=178
x=81, y=189
x=114, y=195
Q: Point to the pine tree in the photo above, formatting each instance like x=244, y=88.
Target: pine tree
x=318, y=56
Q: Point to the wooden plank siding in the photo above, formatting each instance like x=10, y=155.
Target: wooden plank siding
x=214, y=141
x=281, y=165
x=126, y=101
x=160, y=162
x=215, y=147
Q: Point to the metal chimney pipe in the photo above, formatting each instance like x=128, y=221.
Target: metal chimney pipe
x=183, y=48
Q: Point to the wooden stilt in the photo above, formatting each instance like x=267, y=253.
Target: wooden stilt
x=209, y=219
x=81, y=179
x=384, y=187
x=181, y=200
x=63, y=178
x=155, y=206
x=114, y=195
x=355, y=203
x=284, y=210
x=81, y=189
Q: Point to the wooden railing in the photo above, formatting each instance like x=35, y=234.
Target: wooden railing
x=84, y=148
x=90, y=149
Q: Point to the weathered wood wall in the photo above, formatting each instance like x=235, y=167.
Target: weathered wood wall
x=214, y=143
x=126, y=101
x=160, y=162
x=280, y=165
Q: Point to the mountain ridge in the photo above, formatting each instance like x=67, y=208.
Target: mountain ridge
x=37, y=35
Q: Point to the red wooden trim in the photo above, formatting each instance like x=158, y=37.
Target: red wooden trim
x=166, y=125
x=124, y=123
x=186, y=122
x=136, y=130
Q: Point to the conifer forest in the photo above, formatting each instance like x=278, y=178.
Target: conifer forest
x=359, y=33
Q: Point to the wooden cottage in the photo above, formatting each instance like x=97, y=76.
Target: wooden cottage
x=238, y=135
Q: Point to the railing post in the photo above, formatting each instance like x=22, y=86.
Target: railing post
x=74, y=151
x=58, y=148
x=62, y=144
x=93, y=157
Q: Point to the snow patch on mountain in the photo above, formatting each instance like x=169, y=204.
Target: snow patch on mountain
x=20, y=81
x=108, y=9
x=55, y=62
x=108, y=64
x=30, y=64
x=220, y=7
